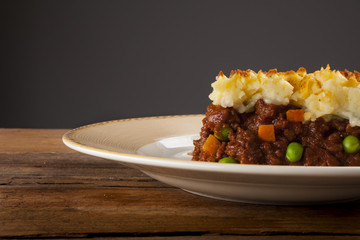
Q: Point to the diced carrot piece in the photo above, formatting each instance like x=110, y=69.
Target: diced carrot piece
x=266, y=133
x=211, y=144
x=295, y=115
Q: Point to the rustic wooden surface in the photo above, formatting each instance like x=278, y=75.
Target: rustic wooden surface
x=50, y=191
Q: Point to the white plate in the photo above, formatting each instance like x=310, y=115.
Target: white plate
x=159, y=147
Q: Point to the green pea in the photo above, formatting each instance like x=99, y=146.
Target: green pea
x=294, y=152
x=228, y=160
x=351, y=144
x=224, y=134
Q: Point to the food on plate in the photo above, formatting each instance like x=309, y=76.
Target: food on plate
x=283, y=118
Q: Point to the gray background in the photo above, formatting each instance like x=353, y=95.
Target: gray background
x=69, y=63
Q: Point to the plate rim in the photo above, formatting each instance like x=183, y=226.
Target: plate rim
x=70, y=141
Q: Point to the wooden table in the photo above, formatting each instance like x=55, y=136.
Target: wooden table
x=50, y=191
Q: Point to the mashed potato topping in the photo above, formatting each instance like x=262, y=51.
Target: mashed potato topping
x=324, y=93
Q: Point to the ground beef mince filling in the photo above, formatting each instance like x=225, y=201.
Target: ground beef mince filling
x=321, y=140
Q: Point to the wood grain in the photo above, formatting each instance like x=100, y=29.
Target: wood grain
x=50, y=191
x=32, y=141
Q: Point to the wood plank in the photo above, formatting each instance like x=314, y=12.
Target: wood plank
x=74, y=210
x=56, y=212
x=68, y=168
x=13, y=140
x=48, y=192
x=78, y=209
x=228, y=237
